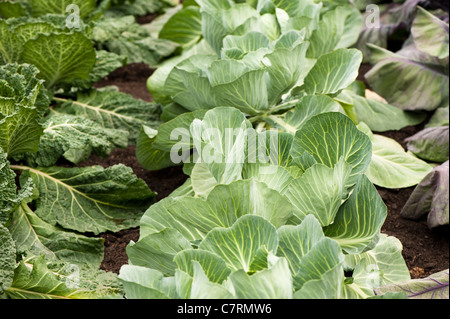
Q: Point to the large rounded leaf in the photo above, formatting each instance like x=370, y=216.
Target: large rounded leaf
x=329, y=137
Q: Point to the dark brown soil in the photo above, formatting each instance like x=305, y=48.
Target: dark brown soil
x=425, y=251
x=132, y=80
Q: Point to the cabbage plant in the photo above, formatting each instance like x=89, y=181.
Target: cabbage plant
x=278, y=74
x=46, y=211
x=302, y=221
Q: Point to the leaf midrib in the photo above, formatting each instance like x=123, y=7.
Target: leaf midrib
x=59, y=182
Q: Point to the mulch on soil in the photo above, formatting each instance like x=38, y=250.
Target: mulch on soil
x=425, y=251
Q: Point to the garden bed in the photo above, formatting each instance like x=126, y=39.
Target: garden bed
x=90, y=202
x=425, y=251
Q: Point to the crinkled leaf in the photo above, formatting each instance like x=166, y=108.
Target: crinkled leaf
x=8, y=189
x=7, y=259
x=36, y=281
x=39, y=8
x=135, y=8
x=9, y=50
x=20, y=131
x=114, y=110
x=184, y=27
x=23, y=86
x=33, y=234
x=75, y=138
x=124, y=36
x=60, y=58
x=91, y=199
x=12, y=10
x=23, y=102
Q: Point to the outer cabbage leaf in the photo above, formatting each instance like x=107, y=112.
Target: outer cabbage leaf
x=381, y=117
x=304, y=110
x=147, y=155
x=163, y=246
x=61, y=58
x=34, y=235
x=195, y=217
x=409, y=79
x=184, y=27
x=90, y=199
x=380, y=266
x=431, y=144
x=430, y=197
x=391, y=166
x=114, y=110
x=333, y=72
x=145, y=283
x=440, y=117
x=393, y=18
x=329, y=137
x=430, y=34
x=38, y=8
x=272, y=283
x=319, y=191
x=434, y=286
x=359, y=219
x=241, y=245
x=309, y=253
x=35, y=278
x=75, y=138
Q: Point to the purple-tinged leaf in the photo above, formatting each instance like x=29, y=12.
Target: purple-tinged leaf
x=433, y=287
x=430, y=196
x=430, y=144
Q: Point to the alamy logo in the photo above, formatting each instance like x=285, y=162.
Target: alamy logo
x=228, y=145
x=372, y=17
x=73, y=277
x=73, y=20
